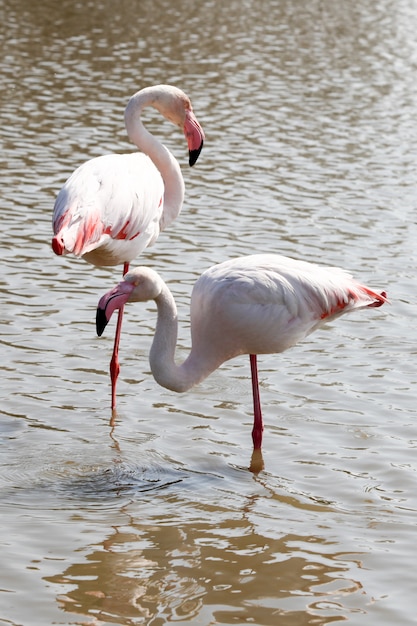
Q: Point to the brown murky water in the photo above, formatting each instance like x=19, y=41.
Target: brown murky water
x=310, y=115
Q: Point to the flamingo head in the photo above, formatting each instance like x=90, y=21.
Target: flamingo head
x=139, y=285
x=114, y=299
x=175, y=106
x=195, y=136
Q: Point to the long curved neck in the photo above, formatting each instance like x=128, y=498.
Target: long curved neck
x=158, y=153
x=162, y=353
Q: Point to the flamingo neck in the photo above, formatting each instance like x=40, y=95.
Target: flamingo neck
x=163, y=160
x=165, y=370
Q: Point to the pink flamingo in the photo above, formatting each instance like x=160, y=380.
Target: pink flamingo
x=114, y=206
x=259, y=304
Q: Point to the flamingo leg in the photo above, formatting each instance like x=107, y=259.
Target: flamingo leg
x=114, y=363
x=258, y=426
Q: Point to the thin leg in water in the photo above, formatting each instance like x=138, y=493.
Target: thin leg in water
x=258, y=426
x=114, y=363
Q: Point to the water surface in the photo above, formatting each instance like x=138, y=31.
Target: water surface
x=153, y=517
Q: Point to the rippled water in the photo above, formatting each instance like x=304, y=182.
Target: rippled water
x=311, y=143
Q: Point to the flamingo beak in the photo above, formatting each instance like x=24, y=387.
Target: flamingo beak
x=194, y=135
x=101, y=321
x=194, y=154
x=114, y=299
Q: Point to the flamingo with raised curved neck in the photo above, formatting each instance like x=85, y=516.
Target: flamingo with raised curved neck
x=114, y=206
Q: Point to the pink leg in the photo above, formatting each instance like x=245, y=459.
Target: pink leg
x=258, y=426
x=114, y=363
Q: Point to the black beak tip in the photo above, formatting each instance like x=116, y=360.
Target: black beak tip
x=101, y=321
x=194, y=154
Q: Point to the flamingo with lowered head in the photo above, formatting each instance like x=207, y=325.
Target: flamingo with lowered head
x=259, y=304
x=114, y=206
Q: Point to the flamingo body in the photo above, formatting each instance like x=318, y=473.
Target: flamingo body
x=109, y=210
x=259, y=304
x=264, y=304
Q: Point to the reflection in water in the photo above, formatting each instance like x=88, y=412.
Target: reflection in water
x=160, y=573
x=257, y=463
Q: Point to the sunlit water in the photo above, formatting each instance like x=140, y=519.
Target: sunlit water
x=311, y=149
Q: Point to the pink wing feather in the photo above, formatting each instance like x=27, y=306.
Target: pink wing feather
x=114, y=201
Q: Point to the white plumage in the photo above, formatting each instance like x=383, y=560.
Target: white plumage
x=110, y=208
x=114, y=206
x=259, y=304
